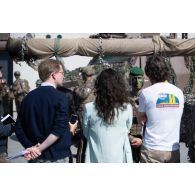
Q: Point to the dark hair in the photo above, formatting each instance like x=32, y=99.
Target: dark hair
x=47, y=67
x=111, y=93
x=156, y=69
x=17, y=73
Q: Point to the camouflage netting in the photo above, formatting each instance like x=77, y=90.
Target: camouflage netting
x=187, y=131
x=96, y=65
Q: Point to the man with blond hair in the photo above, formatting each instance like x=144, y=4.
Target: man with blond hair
x=42, y=125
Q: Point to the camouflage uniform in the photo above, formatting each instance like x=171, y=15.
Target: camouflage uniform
x=38, y=83
x=85, y=92
x=86, y=89
x=7, y=97
x=136, y=129
x=20, y=90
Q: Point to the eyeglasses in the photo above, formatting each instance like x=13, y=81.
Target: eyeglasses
x=58, y=72
x=61, y=72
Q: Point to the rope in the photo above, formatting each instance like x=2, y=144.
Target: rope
x=57, y=49
x=158, y=44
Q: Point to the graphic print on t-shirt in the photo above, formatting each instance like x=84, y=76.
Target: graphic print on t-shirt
x=167, y=100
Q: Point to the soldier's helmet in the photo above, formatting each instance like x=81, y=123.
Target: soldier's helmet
x=16, y=73
x=136, y=71
x=38, y=82
x=87, y=72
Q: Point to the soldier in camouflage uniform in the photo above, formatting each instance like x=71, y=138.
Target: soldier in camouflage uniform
x=86, y=89
x=85, y=92
x=7, y=97
x=136, y=82
x=38, y=83
x=20, y=89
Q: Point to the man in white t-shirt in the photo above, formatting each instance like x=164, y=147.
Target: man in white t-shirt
x=161, y=107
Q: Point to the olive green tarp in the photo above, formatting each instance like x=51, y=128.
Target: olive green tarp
x=46, y=48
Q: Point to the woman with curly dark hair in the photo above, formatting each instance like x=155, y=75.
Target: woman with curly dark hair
x=108, y=120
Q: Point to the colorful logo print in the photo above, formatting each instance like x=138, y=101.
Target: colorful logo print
x=167, y=100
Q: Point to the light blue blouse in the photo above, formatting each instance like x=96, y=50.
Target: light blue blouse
x=107, y=143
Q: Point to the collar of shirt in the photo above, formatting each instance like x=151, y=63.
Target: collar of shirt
x=48, y=84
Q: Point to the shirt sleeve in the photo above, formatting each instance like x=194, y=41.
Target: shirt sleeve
x=61, y=125
x=142, y=103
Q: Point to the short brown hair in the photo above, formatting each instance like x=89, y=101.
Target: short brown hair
x=47, y=67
